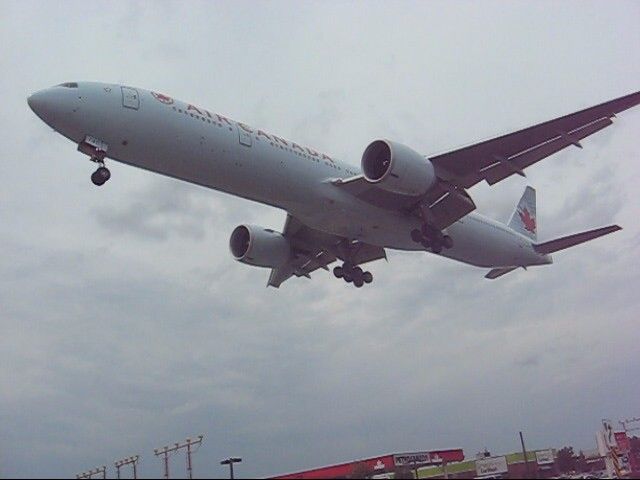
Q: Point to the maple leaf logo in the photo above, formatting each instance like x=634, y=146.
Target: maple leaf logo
x=162, y=98
x=528, y=221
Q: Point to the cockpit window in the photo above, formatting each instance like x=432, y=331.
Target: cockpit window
x=69, y=85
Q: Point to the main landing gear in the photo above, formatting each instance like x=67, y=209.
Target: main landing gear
x=350, y=273
x=431, y=237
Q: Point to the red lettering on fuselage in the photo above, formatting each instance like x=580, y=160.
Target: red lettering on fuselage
x=272, y=138
x=278, y=139
x=245, y=128
x=193, y=107
x=260, y=132
x=223, y=119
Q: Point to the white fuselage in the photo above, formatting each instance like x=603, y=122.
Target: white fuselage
x=190, y=143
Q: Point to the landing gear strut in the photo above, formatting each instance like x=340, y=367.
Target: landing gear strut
x=350, y=273
x=96, y=149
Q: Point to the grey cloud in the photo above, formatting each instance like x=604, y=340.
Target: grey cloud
x=126, y=324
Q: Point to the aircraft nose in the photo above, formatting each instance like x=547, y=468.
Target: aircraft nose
x=41, y=103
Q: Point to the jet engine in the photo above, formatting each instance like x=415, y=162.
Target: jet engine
x=397, y=168
x=260, y=247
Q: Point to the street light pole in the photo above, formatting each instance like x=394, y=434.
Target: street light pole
x=230, y=461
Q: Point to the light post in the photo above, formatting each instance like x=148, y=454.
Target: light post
x=127, y=461
x=230, y=461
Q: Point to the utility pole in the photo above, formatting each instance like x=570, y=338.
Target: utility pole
x=127, y=461
x=230, y=461
x=165, y=451
x=524, y=452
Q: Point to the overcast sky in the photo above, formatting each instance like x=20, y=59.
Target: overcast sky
x=126, y=325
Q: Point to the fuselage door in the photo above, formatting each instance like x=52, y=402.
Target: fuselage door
x=244, y=136
x=130, y=98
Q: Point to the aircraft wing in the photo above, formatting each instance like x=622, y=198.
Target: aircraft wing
x=491, y=160
x=313, y=249
x=501, y=157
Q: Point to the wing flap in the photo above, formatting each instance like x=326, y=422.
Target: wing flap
x=451, y=207
x=469, y=165
x=498, y=171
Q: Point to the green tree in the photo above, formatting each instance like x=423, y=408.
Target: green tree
x=566, y=460
x=403, y=472
x=361, y=470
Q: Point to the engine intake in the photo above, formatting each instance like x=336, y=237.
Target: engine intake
x=397, y=168
x=260, y=247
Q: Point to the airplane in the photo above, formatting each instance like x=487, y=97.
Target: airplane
x=397, y=199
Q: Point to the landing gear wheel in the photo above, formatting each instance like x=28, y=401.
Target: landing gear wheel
x=426, y=243
x=436, y=248
x=447, y=241
x=428, y=231
x=348, y=278
x=338, y=272
x=367, y=277
x=100, y=176
x=416, y=235
x=358, y=282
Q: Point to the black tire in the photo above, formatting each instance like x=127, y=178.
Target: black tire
x=447, y=242
x=348, y=278
x=103, y=173
x=416, y=235
x=338, y=272
x=428, y=231
x=358, y=282
x=96, y=179
x=436, y=248
x=367, y=277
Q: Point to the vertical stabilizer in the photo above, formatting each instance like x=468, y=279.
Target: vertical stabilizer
x=523, y=219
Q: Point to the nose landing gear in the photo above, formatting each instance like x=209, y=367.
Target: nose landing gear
x=96, y=149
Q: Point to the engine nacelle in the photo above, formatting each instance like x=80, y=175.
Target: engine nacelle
x=397, y=168
x=259, y=246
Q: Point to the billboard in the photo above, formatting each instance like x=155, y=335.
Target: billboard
x=544, y=457
x=416, y=458
x=491, y=466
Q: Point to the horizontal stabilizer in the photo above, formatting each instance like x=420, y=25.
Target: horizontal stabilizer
x=572, y=240
x=498, y=272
